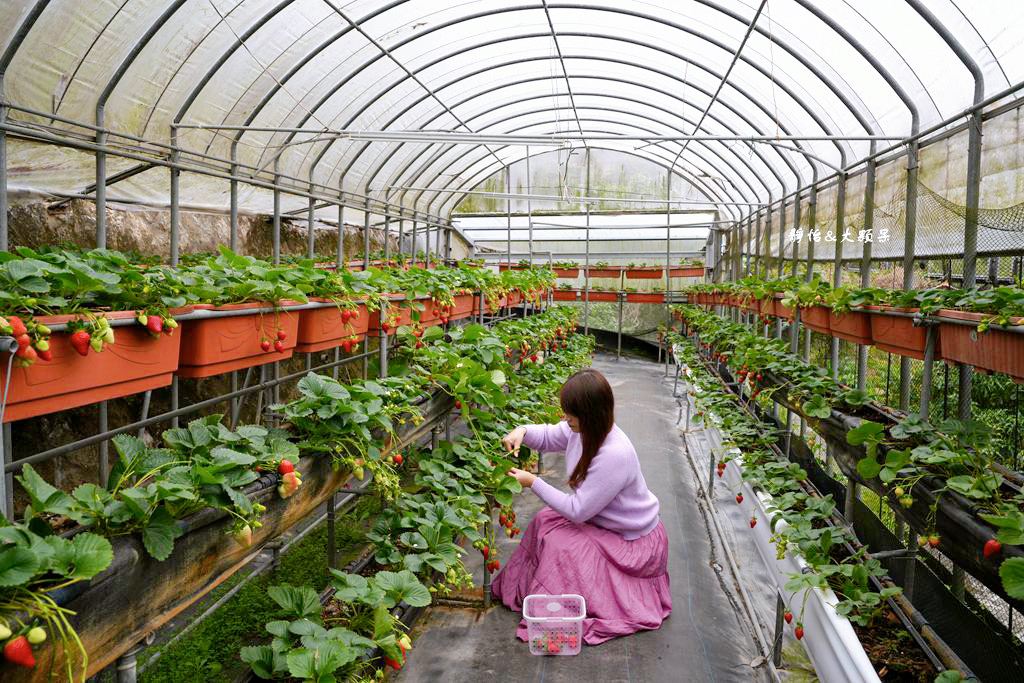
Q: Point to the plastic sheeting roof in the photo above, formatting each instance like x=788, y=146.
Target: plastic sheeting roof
x=807, y=68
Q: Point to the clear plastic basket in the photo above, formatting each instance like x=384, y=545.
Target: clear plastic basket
x=554, y=623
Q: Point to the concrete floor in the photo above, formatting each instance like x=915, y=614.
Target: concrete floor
x=703, y=640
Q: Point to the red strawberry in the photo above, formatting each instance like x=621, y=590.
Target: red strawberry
x=265, y=344
x=458, y=404
x=285, y=466
x=45, y=355
x=933, y=540
x=502, y=519
x=24, y=341
x=392, y=663
x=739, y=498
x=753, y=522
x=398, y=458
x=419, y=345
x=27, y=354
x=279, y=346
x=486, y=550
x=992, y=547
x=799, y=632
x=17, y=326
x=80, y=341
x=18, y=651
x=155, y=324
x=788, y=616
x=534, y=358
x=282, y=335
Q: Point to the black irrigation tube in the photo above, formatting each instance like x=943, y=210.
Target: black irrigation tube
x=935, y=648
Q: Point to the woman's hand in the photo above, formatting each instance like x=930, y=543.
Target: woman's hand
x=524, y=478
x=514, y=439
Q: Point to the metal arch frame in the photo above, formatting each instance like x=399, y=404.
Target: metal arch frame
x=800, y=102
x=739, y=175
x=739, y=115
x=714, y=194
x=14, y=45
x=561, y=60
x=817, y=73
x=101, y=103
x=841, y=96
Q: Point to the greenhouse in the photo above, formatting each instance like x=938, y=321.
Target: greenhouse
x=657, y=341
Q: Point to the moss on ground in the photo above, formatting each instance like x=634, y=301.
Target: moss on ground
x=210, y=651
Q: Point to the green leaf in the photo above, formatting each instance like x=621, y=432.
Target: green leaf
x=159, y=534
x=44, y=497
x=17, y=566
x=949, y=676
x=298, y=602
x=498, y=377
x=1012, y=573
x=868, y=467
x=866, y=431
x=260, y=659
x=348, y=587
x=403, y=586
x=278, y=628
x=92, y=554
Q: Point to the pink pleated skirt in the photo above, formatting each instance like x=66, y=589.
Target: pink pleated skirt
x=625, y=583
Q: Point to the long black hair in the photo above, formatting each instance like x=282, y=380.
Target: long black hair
x=588, y=397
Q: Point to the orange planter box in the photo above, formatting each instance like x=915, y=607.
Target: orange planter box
x=465, y=306
x=567, y=272
x=852, y=326
x=400, y=312
x=322, y=328
x=611, y=271
x=645, y=297
x=136, y=362
x=816, y=318
x=686, y=272
x=602, y=296
x=993, y=350
x=653, y=273
x=213, y=346
x=898, y=334
x=565, y=294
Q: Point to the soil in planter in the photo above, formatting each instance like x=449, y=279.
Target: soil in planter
x=894, y=653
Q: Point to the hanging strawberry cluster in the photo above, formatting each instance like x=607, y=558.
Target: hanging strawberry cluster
x=33, y=339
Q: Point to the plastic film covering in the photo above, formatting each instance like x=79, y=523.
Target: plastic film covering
x=813, y=69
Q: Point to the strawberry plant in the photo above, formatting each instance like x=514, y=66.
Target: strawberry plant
x=33, y=566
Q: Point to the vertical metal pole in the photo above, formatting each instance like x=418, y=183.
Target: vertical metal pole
x=277, y=211
x=6, y=478
x=757, y=243
x=865, y=258
x=586, y=257
x=796, y=226
x=426, y=245
x=366, y=234
x=310, y=235
x=618, y=350
x=233, y=200
x=104, y=425
x=175, y=197
x=101, y=184
x=837, y=267
x=812, y=224
x=909, y=241
x=966, y=374
x=340, y=257
x=767, y=239
x=529, y=205
x=668, y=258
x=412, y=235
x=174, y=399
x=782, y=236
x=4, y=202
x=387, y=237
x=508, y=210
x=332, y=534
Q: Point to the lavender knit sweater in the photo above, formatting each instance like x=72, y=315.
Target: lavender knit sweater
x=614, y=494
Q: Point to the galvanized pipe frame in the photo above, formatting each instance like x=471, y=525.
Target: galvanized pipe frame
x=298, y=189
x=604, y=109
x=516, y=62
x=836, y=91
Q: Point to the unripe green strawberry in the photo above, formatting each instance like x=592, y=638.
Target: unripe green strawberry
x=97, y=344
x=36, y=635
x=108, y=335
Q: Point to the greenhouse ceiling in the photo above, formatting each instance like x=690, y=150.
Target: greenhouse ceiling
x=414, y=103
